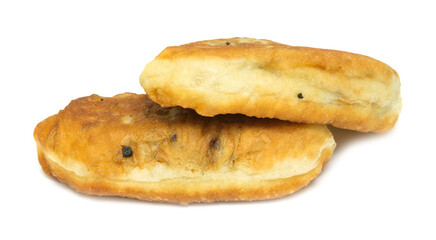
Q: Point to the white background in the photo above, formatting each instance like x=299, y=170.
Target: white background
x=375, y=186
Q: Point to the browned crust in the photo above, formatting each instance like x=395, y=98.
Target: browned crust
x=80, y=146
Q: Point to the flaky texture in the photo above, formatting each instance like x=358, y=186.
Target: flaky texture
x=177, y=155
x=265, y=79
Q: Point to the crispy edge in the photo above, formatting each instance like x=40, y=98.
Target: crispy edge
x=174, y=191
x=345, y=117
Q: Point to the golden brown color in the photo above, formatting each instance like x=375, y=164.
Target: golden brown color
x=265, y=79
x=177, y=155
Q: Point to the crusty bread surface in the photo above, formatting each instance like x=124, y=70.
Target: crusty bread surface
x=129, y=146
x=266, y=79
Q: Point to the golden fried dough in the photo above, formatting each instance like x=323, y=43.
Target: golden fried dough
x=129, y=146
x=265, y=79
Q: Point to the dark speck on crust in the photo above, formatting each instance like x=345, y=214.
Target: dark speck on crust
x=214, y=143
x=127, y=151
x=173, y=138
x=300, y=96
x=227, y=43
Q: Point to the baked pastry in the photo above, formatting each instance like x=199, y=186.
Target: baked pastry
x=266, y=79
x=129, y=146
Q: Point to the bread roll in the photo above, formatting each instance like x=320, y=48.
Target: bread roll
x=265, y=79
x=129, y=146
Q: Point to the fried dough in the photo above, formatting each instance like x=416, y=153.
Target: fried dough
x=266, y=79
x=129, y=146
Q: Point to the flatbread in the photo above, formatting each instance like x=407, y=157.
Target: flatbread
x=266, y=79
x=129, y=146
